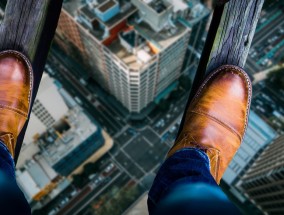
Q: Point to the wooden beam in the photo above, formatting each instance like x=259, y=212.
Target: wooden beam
x=29, y=27
x=229, y=38
x=235, y=33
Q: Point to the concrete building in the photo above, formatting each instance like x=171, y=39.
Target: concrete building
x=263, y=183
x=134, y=49
x=258, y=135
x=39, y=182
x=73, y=136
x=58, y=131
x=49, y=107
x=44, y=166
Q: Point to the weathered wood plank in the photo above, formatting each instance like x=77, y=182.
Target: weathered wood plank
x=29, y=27
x=229, y=38
x=22, y=24
x=235, y=33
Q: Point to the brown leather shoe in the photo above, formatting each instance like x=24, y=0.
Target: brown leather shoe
x=16, y=79
x=217, y=118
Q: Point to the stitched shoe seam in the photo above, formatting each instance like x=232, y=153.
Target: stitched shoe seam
x=16, y=110
x=195, y=145
x=215, y=119
x=247, y=82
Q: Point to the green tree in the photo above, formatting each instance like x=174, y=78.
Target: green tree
x=185, y=82
x=163, y=105
x=90, y=168
x=78, y=181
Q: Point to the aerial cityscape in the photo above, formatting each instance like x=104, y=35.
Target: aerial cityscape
x=112, y=97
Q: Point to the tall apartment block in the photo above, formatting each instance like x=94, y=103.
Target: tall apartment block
x=134, y=49
x=263, y=183
x=258, y=135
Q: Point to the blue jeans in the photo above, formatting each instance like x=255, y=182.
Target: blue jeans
x=12, y=200
x=184, y=185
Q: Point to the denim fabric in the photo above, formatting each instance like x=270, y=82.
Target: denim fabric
x=6, y=162
x=12, y=200
x=184, y=185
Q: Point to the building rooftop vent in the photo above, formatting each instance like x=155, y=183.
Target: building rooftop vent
x=159, y=6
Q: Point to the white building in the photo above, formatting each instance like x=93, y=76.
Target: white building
x=38, y=181
x=48, y=108
x=135, y=50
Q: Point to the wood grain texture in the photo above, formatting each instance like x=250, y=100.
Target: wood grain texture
x=29, y=27
x=23, y=22
x=235, y=33
x=229, y=39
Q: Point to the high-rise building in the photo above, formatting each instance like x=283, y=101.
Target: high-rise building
x=49, y=107
x=135, y=49
x=258, y=135
x=263, y=183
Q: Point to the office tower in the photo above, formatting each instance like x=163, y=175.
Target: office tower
x=49, y=107
x=135, y=49
x=263, y=183
x=257, y=136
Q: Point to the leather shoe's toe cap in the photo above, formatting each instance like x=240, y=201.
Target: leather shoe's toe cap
x=15, y=82
x=225, y=97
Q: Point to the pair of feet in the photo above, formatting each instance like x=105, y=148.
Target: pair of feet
x=215, y=121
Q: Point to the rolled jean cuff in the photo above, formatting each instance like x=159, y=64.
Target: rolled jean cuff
x=189, y=165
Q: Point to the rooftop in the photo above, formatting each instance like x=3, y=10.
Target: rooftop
x=160, y=39
x=197, y=11
x=137, y=48
x=135, y=61
x=72, y=6
x=66, y=135
x=109, y=4
x=159, y=5
x=95, y=25
x=146, y=44
x=35, y=176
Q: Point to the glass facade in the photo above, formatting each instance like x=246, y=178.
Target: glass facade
x=78, y=155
